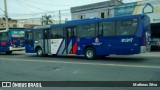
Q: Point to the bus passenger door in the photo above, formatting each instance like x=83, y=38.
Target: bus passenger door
x=71, y=41
x=29, y=42
x=46, y=41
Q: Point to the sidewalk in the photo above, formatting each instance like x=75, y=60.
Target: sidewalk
x=150, y=54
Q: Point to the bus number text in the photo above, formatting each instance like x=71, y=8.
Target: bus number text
x=127, y=40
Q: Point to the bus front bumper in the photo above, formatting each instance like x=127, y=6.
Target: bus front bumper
x=16, y=49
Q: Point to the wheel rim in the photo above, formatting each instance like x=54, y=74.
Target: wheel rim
x=39, y=52
x=89, y=53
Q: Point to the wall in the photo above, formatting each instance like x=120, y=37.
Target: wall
x=12, y=23
x=93, y=13
x=148, y=7
x=94, y=10
x=23, y=23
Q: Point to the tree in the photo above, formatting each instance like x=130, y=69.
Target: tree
x=46, y=19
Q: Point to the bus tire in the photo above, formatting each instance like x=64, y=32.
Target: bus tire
x=9, y=52
x=90, y=53
x=39, y=52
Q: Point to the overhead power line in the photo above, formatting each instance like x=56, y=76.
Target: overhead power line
x=45, y=3
x=34, y=6
x=40, y=13
x=22, y=5
x=1, y=9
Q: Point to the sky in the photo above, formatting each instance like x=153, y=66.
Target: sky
x=35, y=8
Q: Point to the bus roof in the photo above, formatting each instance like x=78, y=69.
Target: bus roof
x=42, y=27
x=94, y=20
x=84, y=21
x=4, y=30
x=10, y=28
x=122, y=17
x=57, y=25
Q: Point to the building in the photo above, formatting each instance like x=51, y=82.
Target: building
x=147, y=7
x=100, y=10
x=12, y=23
x=24, y=23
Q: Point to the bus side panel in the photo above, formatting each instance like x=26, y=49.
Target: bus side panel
x=83, y=43
x=108, y=45
x=122, y=45
x=57, y=46
x=61, y=50
x=4, y=46
x=63, y=46
x=18, y=43
x=29, y=47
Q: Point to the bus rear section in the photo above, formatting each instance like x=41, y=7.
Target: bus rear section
x=146, y=34
x=17, y=40
x=12, y=40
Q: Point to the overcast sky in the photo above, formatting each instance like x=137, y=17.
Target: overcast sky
x=31, y=8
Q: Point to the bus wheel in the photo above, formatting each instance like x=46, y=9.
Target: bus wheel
x=39, y=52
x=90, y=53
x=9, y=52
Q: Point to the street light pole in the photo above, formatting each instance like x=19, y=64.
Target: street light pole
x=6, y=14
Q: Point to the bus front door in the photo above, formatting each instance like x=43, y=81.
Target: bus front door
x=46, y=42
x=71, y=41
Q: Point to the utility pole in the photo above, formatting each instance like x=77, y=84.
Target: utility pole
x=59, y=16
x=42, y=20
x=6, y=14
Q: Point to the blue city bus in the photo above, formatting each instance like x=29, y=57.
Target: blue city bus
x=91, y=37
x=12, y=40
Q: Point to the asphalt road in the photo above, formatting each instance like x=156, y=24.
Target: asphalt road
x=27, y=67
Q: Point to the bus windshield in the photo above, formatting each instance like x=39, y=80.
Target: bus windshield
x=17, y=34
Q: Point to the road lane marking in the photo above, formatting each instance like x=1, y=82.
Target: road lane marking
x=83, y=63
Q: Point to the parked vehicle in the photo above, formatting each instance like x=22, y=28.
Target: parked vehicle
x=12, y=40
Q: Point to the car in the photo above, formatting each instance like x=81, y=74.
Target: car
x=155, y=44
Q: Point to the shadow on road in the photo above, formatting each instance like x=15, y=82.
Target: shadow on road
x=82, y=58
x=10, y=54
x=14, y=53
x=128, y=59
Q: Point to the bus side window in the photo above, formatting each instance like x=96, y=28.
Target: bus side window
x=74, y=32
x=86, y=31
x=29, y=36
x=101, y=29
x=4, y=36
x=126, y=27
x=57, y=33
x=0, y=36
x=69, y=33
x=38, y=35
x=107, y=29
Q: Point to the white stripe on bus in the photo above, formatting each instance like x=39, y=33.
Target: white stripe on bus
x=62, y=47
